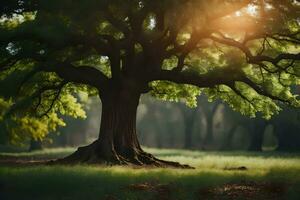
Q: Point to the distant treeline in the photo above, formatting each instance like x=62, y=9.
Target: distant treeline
x=209, y=126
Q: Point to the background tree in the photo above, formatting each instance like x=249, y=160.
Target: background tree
x=257, y=129
x=209, y=113
x=161, y=123
x=286, y=129
x=243, y=52
x=19, y=128
x=189, y=116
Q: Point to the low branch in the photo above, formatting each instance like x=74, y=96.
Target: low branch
x=82, y=74
x=199, y=80
x=256, y=59
x=262, y=91
x=56, y=97
x=212, y=79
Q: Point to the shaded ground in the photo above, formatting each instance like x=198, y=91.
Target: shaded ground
x=33, y=158
x=217, y=176
x=242, y=190
x=17, y=161
x=245, y=191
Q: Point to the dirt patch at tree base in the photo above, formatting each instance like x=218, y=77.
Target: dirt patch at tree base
x=7, y=160
x=241, y=190
x=245, y=191
x=21, y=161
x=159, y=191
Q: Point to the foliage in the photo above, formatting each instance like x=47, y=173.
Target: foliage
x=19, y=127
x=29, y=117
x=174, y=92
x=243, y=52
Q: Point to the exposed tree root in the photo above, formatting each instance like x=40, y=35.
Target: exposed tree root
x=136, y=157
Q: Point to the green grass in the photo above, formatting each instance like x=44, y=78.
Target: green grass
x=91, y=182
x=42, y=154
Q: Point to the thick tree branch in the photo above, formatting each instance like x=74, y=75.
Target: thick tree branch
x=256, y=59
x=213, y=79
x=26, y=33
x=199, y=80
x=117, y=23
x=261, y=90
x=82, y=74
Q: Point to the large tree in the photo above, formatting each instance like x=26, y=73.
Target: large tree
x=245, y=52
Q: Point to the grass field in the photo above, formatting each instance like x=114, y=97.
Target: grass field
x=218, y=175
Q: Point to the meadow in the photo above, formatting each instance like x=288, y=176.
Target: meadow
x=217, y=175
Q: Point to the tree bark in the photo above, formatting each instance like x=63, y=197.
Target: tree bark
x=118, y=142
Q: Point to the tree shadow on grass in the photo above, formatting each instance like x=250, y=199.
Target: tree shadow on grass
x=84, y=182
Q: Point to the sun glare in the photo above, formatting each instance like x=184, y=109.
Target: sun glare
x=251, y=10
x=269, y=6
x=238, y=13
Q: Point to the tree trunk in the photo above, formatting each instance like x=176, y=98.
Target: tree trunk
x=189, y=121
x=226, y=145
x=210, y=114
x=209, y=129
x=188, y=135
x=257, y=135
x=35, y=145
x=118, y=142
x=287, y=135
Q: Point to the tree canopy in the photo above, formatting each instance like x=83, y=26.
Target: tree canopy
x=245, y=52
